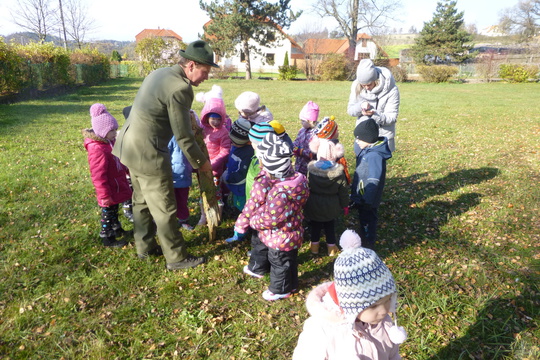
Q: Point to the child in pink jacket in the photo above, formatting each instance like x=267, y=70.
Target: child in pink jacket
x=350, y=316
x=214, y=120
x=108, y=174
x=275, y=211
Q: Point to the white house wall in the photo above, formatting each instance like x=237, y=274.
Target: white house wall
x=370, y=49
x=279, y=48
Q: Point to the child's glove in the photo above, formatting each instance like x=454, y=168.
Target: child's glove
x=346, y=210
x=236, y=237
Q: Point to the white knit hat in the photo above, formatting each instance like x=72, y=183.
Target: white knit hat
x=361, y=279
x=248, y=102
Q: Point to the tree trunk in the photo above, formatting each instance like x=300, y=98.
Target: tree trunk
x=248, y=63
x=63, y=24
x=206, y=186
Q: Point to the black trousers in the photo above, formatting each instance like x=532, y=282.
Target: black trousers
x=109, y=221
x=282, y=265
x=368, y=226
x=329, y=231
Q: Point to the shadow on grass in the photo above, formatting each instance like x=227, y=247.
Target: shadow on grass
x=74, y=100
x=407, y=216
x=504, y=326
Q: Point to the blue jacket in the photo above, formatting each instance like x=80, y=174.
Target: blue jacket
x=370, y=173
x=181, y=168
x=237, y=168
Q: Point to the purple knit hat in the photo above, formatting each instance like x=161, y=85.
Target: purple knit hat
x=102, y=120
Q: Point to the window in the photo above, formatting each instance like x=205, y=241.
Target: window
x=270, y=59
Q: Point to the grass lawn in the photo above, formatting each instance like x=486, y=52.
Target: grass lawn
x=459, y=228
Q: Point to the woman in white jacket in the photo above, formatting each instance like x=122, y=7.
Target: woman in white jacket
x=374, y=94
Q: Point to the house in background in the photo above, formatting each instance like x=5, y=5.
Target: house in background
x=366, y=48
x=163, y=33
x=317, y=50
x=269, y=58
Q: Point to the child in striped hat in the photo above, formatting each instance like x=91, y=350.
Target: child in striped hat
x=256, y=134
x=274, y=210
x=350, y=316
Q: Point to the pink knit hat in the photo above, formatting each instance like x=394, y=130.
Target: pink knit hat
x=310, y=112
x=326, y=149
x=213, y=103
x=102, y=120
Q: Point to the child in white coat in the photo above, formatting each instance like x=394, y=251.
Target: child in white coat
x=350, y=316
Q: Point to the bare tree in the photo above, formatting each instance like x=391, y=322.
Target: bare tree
x=36, y=16
x=63, y=23
x=355, y=15
x=78, y=24
x=522, y=19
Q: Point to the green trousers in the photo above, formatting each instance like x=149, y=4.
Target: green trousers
x=154, y=212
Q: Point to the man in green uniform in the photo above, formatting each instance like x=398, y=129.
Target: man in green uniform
x=160, y=110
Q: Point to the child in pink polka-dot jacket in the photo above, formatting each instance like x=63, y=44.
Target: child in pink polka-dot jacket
x=275, y=210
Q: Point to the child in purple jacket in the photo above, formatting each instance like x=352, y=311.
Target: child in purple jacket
x=308, y=117
x=275, y=211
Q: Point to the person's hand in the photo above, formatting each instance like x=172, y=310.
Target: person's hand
x=207, y=166
x=368, y=112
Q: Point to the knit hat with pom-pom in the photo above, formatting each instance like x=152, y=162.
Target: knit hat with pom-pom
x=327, y=128
x=326, y=149
x=213, y=103
x=361, y=279
x=102, y=120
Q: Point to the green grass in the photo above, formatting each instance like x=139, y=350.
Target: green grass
x=459, y=229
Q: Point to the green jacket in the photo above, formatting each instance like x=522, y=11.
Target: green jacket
x=160, y=110
x=253, y=170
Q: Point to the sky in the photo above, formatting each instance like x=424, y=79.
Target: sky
x=123, y=19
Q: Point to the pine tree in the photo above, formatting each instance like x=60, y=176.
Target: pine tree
x=239, y=21
x=444, y=38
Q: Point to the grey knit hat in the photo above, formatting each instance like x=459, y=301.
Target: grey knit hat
x=366, y=72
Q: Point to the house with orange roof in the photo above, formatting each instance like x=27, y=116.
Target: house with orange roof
x=269, y=58
x=163, y=33
x=366, y=48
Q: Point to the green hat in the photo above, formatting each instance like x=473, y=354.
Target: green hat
x=200, y=52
